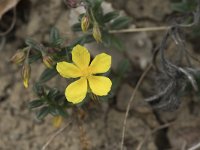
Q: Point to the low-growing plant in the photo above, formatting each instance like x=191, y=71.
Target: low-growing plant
x=72, y=60
x=90, y=79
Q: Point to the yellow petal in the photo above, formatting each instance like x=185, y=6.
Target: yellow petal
x=101, y=63
x=76, y=91
x=81, y=56
x=100, y=85
x=68, y=70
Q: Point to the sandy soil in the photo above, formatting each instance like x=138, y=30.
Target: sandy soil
x=102, y=125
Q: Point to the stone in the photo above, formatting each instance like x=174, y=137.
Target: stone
x=185, y=130
x=138, y=103
x=148, y=9
x=137, y=130
x=139, y=49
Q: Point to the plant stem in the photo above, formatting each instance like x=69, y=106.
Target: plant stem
x=55, y=135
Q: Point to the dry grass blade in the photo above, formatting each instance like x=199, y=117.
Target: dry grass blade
x=130, y=101
x=55, y=135
x=195, y=147
x=6, y=5
x=147, y=29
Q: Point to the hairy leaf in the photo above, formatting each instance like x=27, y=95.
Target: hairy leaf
x=47, y=75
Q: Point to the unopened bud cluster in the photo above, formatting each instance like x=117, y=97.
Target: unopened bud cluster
x=72, y=3
x=96, y=32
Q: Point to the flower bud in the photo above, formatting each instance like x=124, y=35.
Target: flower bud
x=85, y=23
x=48, y=61
x=72, y=3
x=57, y=121
x=97, y=33
x=26, y=72
x=18, y=57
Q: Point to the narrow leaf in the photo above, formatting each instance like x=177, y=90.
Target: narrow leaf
x=33, y=44
x=47, y=75
x=110, y=16
x=76, y=27
x=43, y=112
x=120, y=23
x=54, y=35
x=35, y=103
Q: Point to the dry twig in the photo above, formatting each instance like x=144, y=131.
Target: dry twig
x=130, y=101
x=55, y=135
x=196, y=146
x=141, y=29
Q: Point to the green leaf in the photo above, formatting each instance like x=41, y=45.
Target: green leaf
x=187, y=6
x=47, y=75
x=54, y=35
x=80, y=17
x=123, y=66
x=53, y=93
x=62, y=112
x=120, y=23
x=87, y=39
x=35, y=103
x=58, y=42
x=33, y=44
x=115, y=42
x=53, y=111
x=95, y=3
x=38, y=89
x=110, y=40
x=34, y=57
x=43, y=112
x=99, y=17
x=110, y=16
x=76, y=27
x=82, y=40
x=55, y=39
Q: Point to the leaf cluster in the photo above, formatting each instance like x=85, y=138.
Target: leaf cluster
x=106, y=21
x=49, y=101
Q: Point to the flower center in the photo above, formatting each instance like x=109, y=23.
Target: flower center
x=86, y=72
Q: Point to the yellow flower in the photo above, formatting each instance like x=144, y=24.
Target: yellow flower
x=82, y=68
